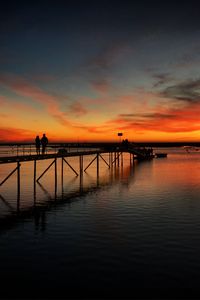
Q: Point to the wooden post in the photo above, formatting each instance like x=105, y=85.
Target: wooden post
x=98, y=163
x=111, y=156
x=81, y=164
x=62, y=170
x=18, y=186
x=18, y=177
x=34, y=171
x=55, y=178
x=62, y=167
x=118, y=159
x=97, y=169
x=34, y=182
x=110, y=159
x=81, y=172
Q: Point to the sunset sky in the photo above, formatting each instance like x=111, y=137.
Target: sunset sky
x=86, y=70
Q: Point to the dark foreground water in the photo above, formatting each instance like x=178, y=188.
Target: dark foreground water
x=131, y=232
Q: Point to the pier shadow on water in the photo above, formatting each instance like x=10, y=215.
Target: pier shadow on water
x=74, y=190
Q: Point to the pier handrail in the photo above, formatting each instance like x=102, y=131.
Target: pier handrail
x=19, y=149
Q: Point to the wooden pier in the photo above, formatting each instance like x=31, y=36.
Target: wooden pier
x=113, y=160
x=114, y=151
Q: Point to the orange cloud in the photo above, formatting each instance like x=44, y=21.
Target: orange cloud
x=141, y=113
x=24, y=88
x=9, y=134
x=171, y=120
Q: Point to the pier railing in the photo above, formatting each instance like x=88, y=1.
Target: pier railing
x=30, y=149
x=59, y=148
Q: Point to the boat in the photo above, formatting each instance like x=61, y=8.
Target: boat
x=161, y=154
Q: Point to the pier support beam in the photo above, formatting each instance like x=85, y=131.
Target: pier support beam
x=6, y=203
x=18, y=182
x=18, y=186
x=97, y=163
x=55, y=178
x=116, y=159
x=17, y=168
x=34, y=182
x=122, y=162
x=18, y=177
x=53, y=162
x=81, y=164
x=105, y=161
x=111, y=160
x=90, y=163
x=70, y=166
x=62, y=167
x=81, y=172
x=97, y=158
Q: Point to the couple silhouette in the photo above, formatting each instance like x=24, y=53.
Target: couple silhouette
x=43, y=141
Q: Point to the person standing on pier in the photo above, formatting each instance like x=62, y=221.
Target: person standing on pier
x=44, y=142
x=37, y=145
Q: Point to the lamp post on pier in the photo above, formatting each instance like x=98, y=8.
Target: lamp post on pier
x=120, y=134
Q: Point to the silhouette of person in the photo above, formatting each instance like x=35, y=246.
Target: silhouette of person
x=37, y=144
x=44, y=142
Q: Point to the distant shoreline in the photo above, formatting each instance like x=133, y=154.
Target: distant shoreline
x=101, y=144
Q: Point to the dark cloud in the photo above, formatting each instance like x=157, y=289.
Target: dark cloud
x=190, y=57
x=77, y=109
x=108, y=56
x=101, y=85
x=161, y=79
x=149, y=116
x=188, y=91
x=98, y=69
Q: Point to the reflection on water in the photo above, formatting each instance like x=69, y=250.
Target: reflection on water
x=103, y=235
x=75, y=188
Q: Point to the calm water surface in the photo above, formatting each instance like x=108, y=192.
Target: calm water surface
x=135, y=227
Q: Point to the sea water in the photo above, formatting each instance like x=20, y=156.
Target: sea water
x=132, y=227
